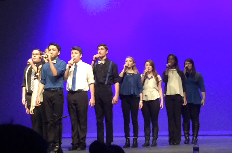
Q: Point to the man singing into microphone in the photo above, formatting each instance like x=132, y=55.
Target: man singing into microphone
x=106, y=74
x=52, y=80
x=79, y=76
x=28, y=84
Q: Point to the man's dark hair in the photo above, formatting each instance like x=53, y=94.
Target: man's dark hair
x=78, y=49
x=18, y=138
x=57, y=46
x=99, y=147
x=104, y=45
x=116, y=148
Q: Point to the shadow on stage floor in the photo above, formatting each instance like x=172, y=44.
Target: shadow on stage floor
x=207, y=144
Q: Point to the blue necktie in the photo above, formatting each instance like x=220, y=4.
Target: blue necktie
x=74, y=78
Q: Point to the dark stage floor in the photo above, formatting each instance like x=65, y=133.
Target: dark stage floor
x=207, y=144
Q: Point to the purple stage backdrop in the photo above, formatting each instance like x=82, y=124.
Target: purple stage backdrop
x=150, y=29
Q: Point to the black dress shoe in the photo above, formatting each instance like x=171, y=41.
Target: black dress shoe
x=81, y=148
x=176, y=143
x=72, y=148
x=171, y=143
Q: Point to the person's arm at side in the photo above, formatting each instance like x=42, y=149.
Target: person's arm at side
x=23, y=95
x=183, y=86
x=202, y=88
x=92, y=91
x=116, y=96
x=116, y=80
x=141, y=101
x=24, y=88
x=91, y=82
x=161, y=94
x=140, y=88
x=203, y=98
x=185, y=99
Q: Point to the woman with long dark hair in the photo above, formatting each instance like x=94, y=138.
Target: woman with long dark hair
x=175, y=97
x=193, y=82
x=131, y=97
x=152, y=91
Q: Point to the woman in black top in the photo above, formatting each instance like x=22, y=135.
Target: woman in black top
x=174, y=80
x=131, y=96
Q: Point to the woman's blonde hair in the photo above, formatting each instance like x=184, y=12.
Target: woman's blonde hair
x=134, y=67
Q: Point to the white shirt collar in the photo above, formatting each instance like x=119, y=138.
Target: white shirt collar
x=79, y=63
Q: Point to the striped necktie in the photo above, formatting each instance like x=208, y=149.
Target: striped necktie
x=32, y=79
x=74, y=78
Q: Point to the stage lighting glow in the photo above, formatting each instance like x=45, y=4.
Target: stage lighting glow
x=94, y=6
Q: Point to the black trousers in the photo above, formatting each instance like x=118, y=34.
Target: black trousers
x=174, y=105
x=130, y=105
x=78, y=109
x=190, y=112
x=53, y=104
x=150, y=111
x=44, y=120
x=38, y=120
x=104, y=109
x=28, y=99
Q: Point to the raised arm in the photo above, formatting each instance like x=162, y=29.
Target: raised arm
x=95, y=58
x=53, y=69
x=144, y=76
x=30, y=62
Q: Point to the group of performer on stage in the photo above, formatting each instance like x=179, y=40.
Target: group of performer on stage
x=43, y=96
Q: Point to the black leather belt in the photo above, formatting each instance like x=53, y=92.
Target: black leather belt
x=79, y=90
x=53, y=89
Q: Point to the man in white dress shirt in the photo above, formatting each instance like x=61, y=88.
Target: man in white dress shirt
x=80, y=79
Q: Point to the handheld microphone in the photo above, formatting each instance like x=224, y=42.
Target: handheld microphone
x=28, y=63
x=44, y=56
x=146, y=71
